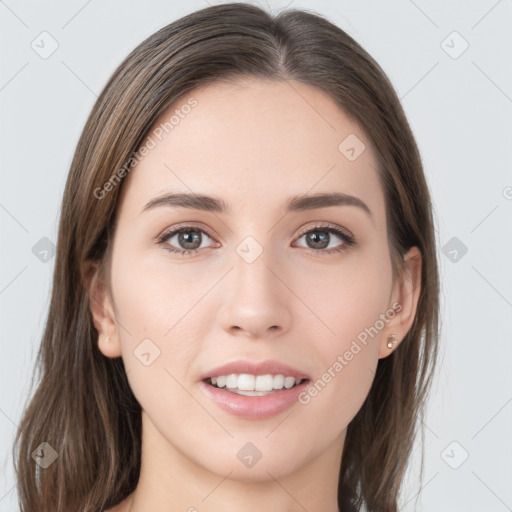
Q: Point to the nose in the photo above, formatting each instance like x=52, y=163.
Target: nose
x=256, y=303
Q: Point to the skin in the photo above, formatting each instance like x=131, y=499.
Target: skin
x=254, y=144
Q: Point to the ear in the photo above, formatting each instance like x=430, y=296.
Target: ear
x=404, y=301
x=102, y=312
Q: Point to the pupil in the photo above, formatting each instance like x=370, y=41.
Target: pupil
x=187, y=241
x=319, y=242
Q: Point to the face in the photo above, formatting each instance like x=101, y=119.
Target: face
x=309, y=287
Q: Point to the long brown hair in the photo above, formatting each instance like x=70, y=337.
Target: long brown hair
x=83, y=406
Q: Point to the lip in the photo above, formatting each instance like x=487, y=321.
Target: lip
x=270, y=366
x=254, y=407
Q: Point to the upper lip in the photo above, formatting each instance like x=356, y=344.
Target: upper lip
x=269, y=366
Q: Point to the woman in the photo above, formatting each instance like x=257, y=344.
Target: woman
x=245, y=300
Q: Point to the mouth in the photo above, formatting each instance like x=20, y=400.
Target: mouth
x=254, y=390
x=254, y=397
x=254, y=385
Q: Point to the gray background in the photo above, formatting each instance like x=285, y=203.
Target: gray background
x=459, y=106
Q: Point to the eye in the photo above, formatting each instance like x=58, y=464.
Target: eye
x=188, y=239
x=319, y=239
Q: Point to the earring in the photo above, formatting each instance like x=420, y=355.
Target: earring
x=391, y=340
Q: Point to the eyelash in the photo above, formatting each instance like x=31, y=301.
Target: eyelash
x=348, y=240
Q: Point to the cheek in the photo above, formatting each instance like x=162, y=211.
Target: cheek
x=348, y=297
x=352, y=301
x=154, y=329
x=156, y=348
x=153, y=297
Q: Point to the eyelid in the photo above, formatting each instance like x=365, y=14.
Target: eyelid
x=348, y=240
x=184, y=226
x=344, y=234
x=167, y=234
x=325, y=224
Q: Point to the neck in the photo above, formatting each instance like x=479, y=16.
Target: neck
x=171, y=481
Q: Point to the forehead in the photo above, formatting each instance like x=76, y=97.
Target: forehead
x=257, y=140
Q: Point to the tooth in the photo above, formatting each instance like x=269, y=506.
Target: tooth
x=289, y=382
x=264, y=383
x=232, y=381
x=251, y=393
x=246, y=382
x=278, y=381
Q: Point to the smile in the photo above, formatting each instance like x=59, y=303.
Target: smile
x=254, y=404
x=253, y=385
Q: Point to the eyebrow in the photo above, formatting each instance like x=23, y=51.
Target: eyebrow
x=294, y=204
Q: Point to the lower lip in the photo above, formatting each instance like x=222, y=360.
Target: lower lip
x=254, y=407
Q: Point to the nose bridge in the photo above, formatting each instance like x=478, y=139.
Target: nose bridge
x=251, y=267
x=257, y=300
